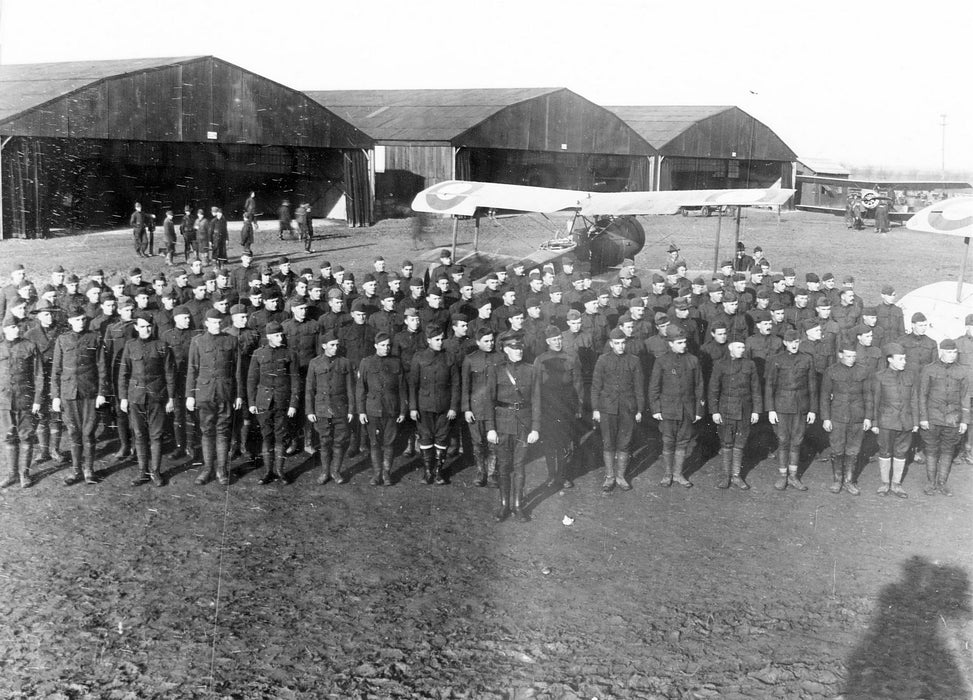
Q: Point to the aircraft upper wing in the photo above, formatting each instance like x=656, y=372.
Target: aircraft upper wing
x=886, y=184
x=462, y=198
x=950, y=217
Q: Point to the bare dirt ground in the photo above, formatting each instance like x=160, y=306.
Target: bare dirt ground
x=308, y=591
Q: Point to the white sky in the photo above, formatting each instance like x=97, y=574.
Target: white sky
x=861, y=83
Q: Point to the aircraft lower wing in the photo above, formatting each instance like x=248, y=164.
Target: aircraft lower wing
x=463, y=198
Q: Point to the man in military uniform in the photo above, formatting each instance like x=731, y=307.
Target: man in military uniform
x=844, y=392
x=273, y=395
x=302, y=338
x=920, y=350
x=559, y=376
x=735, y=398
x=894, y=415
x=79, y=380
x=329, y=395
x=21, y=392
x=512, y=422
x=434, y=391
x=248, y=342
x=183, y=426
x=381, y=397
x=790, y=384
x=146, y=384
x=964, y=344
x=944, y=414
x=676, y=401
x=44, y=334
x=214, y=388
x=474, y=397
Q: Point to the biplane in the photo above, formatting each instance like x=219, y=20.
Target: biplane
x=603, y=228
x=904, y=198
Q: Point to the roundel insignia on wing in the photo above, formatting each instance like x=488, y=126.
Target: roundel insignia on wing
x=447, y=195
x=941, y=223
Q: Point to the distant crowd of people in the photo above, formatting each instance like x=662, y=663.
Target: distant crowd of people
x=209, y=361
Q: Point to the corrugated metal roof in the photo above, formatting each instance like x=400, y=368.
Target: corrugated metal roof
x=29, y=85
x=421, y=115
x=660, y=124
x=823, y=166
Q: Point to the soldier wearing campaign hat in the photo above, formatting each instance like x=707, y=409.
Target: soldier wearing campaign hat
x=79, y=381
x=676, y=400
x=382, y=400
x=215, y=387
x=790, y=397
x=273, y=396
x=434, y=393
x=146, y=385
x=844, y=395
x=21, y=393
x=944, y=413
x=512, y=421
x=894, y=414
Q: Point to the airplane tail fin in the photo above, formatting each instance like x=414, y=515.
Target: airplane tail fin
x=777, y=185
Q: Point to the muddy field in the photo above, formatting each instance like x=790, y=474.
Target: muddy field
x=307, y=591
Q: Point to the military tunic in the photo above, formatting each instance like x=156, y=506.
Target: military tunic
x=329, y=394
x=21, y=386
x=434, y=389
x=381, y=394
x=147, y=380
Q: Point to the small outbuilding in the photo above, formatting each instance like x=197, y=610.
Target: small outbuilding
x=549, y=137
x=80, y=142
x=718, y=147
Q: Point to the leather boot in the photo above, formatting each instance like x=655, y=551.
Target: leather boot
x=376, y=457
x=932, y=472
x=309, y=440
x=898, y=468
x=621, y=464
x=26, y=452
x=667, y=460
x=387, y=467
x=57, y=457
x=209, y=457
x=222, y=461
x=142, y=456
x=550, y=459
x=279, y=468
x=354, y=441
x=410, y=447
x=678, y=464
x=792, y=479
x=88, y=466
x=781, y=482
x=245, y=441
x=337, y=457
x=268, y=458
x=503, y=511
x=325, y=465
x=428, y=460
x=43, y=452
x=479, y=462
x=609, y=483
x=441, y=473
x=76, y=474
x=885, y=473
x=155, y=463
x=837, y=473
x=726, y=465
x=851, y=461
x=737, y=477
x=564, y=470
x=491, y=468
x=517, y=498
x=124, y=440
x=11, y=455
x=945, y=465
x=452, y=450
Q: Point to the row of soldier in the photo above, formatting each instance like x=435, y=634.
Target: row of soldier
x=289, y=350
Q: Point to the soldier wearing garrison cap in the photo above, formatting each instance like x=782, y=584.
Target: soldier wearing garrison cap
x=178, y=340
x=215, y=387
x=560, y=389
x=329, y=399
x=382, y=400
x=273, y=396
x=21, y=393
x=790, y=397
x=894, y=414
x=146, y=384
x=736, y=401
x=844, y=396
x=44, y=334
x=944, y=414
x=920, y=350
x=434, y=402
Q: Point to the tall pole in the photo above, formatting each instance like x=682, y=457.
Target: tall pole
x=943, y=149
x=716, y=248
x=962, y=270
x=455, y=224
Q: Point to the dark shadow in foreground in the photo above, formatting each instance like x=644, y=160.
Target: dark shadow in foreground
x=906, y=653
